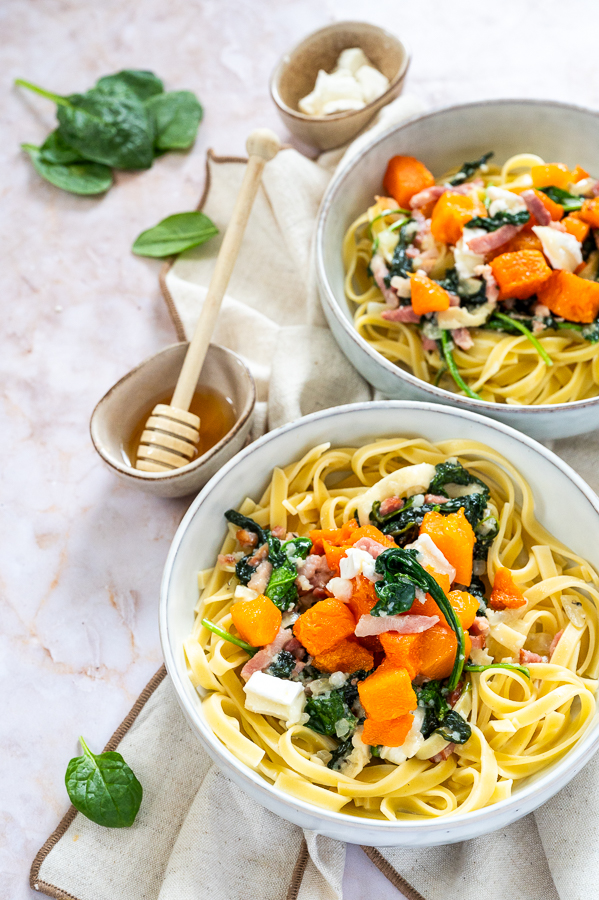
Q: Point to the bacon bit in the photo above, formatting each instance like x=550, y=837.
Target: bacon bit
x=380, y=271
x=462, y=337
x=390, y=505
x=295, y=648
x=260, y=554
x=320, y=593
x=595, y=189
x=401, y=314
x=428, y=344
x=480, y=626
x=558, y=226
x=263, y=658
x=494, y=239
x=554, y=643
x=370, y=545
x=478, y=641
x=443, y=755
x=422, y=198
x=527, y=656
x=455, y=695
x=536, y=207
x=279, y=532
x=436, y=499
x=492, y=288
x=227, y=559
x=261, y=577
x=315, y=570
x=298, y=667
x=454, y=300
x=405, y=624
x=247, y=539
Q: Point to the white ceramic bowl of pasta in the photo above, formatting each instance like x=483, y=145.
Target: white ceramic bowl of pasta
x=570, y=513
x=442, y=139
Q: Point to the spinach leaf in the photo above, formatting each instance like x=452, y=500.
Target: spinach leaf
x=454, y=728
x=244, y=570
x=401, y=264
x=176, y=116
x=175, y=234
x=325, y=710
x=281, y=587
x=142, y=83
x=297, y=548
x=85, y=178
x=589, y=332
x=447, y=353
x=521, y=327
x=453, y=472
x=350, y=688
x=439, y=716
x=244, y=522
x=477, y=589
x=397, y=562
x=469, y=169
x=56, y=150
x=339, y=755
x=486, y=531
x=394, y=598
x=565, y=199
x=103, y=788
x=451, y=283
x=105, y=125
x=501, y=218
x=282, y=665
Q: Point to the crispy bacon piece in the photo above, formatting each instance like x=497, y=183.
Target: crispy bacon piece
x=462, y=338
x=315, y=570
x=370, y=545
x=440, y=757
x=402, y=624
x=391, y=505
x=264, y=657
x=536, y=207
x=380, y=271
x=435, y=498
x=247, y=539
x=403, y=314
x=554, y=643
x=261, y=577
x=527, y=656
x=493, y=239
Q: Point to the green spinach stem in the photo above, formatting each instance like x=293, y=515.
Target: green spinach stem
x=453, y=368
x=215, y=629
x=522, y=669
x=62, y=101
x=527, y=334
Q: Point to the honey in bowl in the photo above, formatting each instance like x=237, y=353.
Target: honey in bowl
x=217, y=417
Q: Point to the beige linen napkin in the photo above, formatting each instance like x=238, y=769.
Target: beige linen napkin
x=197, y=835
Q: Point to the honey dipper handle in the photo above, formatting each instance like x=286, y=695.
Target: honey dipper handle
x=262, y=145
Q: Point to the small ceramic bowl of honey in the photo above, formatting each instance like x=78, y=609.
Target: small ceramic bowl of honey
x=224, y=401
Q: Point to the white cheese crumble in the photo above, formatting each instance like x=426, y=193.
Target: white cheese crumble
x=358, y=562
x=277, y=697
x=503, y=201
x=561, y=249
x=352, y=84
x=430, y=555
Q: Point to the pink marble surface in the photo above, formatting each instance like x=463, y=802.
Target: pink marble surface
x=82, y=553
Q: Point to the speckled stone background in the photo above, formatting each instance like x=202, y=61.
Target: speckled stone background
x=81, y=553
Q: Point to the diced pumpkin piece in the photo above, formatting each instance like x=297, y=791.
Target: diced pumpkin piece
x=390, y=733
x=324, y=625
x=589, y=212
x=405, y=177
x=555, y=210
x=524, y=240
x=348, y=656
x=438, y=647
x=520, y=274
x=257, y=621
x=551, y=175
x=387, y=693
x=576, y=226
x=465, y=605
x=402, y=650
x=335, y=537
x=441, y=578
x=568, y=295
x=335, y=553
x=505, y=594
x=578, y=173
x=362, y=600
x=428, y=296
x=451, y=213
x=454, y=537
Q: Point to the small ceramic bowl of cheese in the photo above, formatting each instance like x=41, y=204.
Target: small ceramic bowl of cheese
x=329, y=87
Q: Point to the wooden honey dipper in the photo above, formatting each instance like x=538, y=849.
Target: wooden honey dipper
x=172, y=433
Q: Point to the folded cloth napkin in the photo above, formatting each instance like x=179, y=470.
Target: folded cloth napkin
x=197, y=834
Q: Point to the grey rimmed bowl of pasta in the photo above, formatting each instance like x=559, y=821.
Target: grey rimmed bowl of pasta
x=472, y=283
x=380, y=621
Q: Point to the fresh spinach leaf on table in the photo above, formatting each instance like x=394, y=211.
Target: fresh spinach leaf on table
x=56, y=150
x=103, y=788
x=176, y=116
x=175, y=234
x=142, y=83
x=76, y=177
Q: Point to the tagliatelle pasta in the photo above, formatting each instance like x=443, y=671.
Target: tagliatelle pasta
x=517, y=723
x=525, y=344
